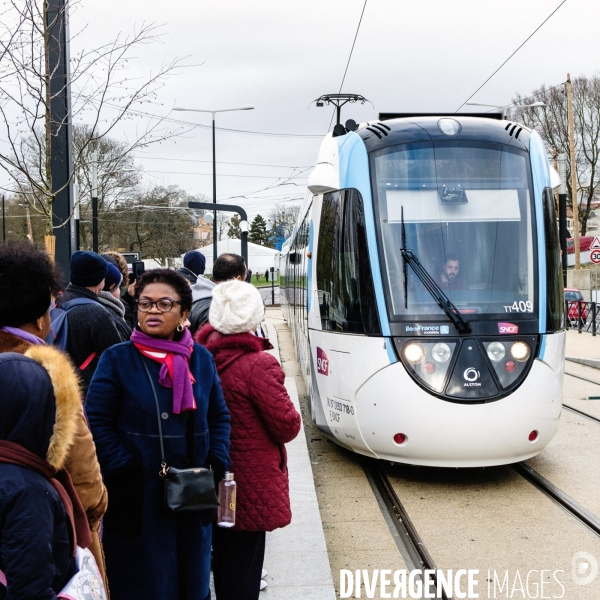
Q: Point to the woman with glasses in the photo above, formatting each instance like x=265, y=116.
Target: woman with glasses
x=151, y=551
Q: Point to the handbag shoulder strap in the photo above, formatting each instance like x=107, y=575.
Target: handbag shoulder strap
x=163, y=465
x=190, y=439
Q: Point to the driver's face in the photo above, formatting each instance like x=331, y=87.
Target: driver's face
x=451, y=268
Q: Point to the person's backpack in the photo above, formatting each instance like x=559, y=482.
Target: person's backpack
x=59, y=326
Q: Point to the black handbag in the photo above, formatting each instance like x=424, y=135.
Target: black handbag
x=185, y=489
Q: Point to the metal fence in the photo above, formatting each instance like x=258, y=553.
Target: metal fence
x=583, y=316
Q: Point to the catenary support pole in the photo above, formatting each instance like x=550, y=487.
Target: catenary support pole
x=215, y=256
x=60, y=125
x=574, y=196
x=3, y=221
x=76, y=215
x=95, y=201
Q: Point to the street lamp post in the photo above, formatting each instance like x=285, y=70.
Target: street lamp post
x=214, y=161
x=29, y=229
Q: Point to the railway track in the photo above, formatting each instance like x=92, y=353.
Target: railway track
x=576, y=410
x=411, y=545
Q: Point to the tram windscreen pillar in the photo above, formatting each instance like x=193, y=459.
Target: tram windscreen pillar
x=562, y=213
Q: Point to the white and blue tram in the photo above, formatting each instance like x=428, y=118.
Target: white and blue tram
x=424, y=291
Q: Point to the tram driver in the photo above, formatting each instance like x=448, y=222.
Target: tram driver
x=450, y=278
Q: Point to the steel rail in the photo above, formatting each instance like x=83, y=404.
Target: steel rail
x=580, y=412
x=571, y=505
x=407, y=533
x=582, y=378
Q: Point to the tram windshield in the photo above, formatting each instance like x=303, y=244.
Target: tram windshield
x=468, y=218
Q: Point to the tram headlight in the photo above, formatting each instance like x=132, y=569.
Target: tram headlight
x=414, y=353
x=496, y=351
x=520, y=351
x=441, y=352
x=449, y=126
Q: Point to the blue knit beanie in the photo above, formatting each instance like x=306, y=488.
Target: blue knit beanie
x=195, y=262
x=87, y=269
x=113, y=278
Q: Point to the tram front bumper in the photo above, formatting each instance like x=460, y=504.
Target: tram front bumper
x=448, y=434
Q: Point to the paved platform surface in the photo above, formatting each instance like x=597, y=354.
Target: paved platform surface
x=583, y=348
x=296, y=556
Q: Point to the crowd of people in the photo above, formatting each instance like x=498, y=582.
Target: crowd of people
x=104, y=382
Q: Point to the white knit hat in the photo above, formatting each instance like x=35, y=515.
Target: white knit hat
x=236, y=307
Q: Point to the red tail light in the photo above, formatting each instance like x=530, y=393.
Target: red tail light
x=399, y=438
x=533, y=436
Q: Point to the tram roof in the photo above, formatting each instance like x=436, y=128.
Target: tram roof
x=388, y=116
x=403, y=128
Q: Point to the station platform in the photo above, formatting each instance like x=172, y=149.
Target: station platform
x=296, y=556
x=583, y=348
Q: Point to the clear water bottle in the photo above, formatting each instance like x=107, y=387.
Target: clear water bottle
x=226, y=510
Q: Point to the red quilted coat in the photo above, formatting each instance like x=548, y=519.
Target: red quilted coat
x=263, y=419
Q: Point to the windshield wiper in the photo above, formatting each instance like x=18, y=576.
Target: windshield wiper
x=409, y=258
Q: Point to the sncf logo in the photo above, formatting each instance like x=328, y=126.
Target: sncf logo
x=322, y=362
x=507, y=328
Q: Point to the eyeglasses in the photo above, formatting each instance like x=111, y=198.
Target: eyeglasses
x=163, y=305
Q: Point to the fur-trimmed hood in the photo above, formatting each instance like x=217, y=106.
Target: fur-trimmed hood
x=67, y=397
x=40, y=406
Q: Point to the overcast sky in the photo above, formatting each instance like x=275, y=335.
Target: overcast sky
x=410, y=55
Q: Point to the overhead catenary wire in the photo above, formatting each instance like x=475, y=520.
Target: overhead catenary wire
x=558, y=85
x=221, y=175
x=350, y=55
x=500, y=67
x=134, y=111
x=223, y=162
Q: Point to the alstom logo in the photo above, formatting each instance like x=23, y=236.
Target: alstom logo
x=322, y=362
x=507, y=328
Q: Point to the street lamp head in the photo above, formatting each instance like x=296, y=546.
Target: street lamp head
x=473, y=103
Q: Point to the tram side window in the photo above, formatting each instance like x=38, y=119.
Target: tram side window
x=344, y=280
x=554, y=288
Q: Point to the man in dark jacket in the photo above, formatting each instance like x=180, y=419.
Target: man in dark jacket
x=226, y=267
x=91, y=328
x=194, y=264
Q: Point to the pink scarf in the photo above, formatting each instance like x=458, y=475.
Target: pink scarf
x=175, y=371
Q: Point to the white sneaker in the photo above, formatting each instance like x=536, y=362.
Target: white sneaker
x=263, y=585
x=263, y=574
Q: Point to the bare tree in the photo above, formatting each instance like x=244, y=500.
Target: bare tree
x=283, y=218
x=222, y=224
x=103, y=95
x=155, y=221
x=552, y=125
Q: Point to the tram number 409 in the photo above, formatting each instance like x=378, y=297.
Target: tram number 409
x=519, y=306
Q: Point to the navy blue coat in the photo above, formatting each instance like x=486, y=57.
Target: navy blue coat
x=152, y=552
x=35, y=533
